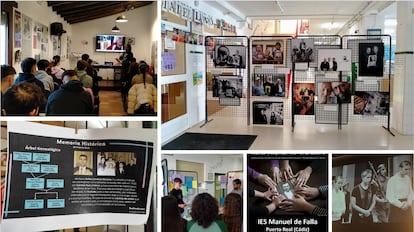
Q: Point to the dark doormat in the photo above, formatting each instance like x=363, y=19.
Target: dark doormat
x=198, y=141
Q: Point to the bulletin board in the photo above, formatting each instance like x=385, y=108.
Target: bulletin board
x=189, y=183
x=178, y=53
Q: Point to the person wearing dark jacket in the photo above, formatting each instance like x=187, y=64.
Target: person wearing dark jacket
x=71, y=98
x=28, y=66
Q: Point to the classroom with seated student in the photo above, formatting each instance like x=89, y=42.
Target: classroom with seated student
x=79, y=58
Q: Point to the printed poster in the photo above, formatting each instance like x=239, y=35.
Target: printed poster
x=76, y=175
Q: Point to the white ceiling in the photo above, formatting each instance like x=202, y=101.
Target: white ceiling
x=345, y=13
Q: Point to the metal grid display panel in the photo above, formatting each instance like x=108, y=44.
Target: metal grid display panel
x=329, y=113
x=322, y=114
x=373, y=84
x=258, y=70
x=273, y=69
x=240, y=107
x=304, y=77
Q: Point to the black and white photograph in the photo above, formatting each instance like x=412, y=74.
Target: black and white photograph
x=371, y=103
x=230, y=56
x=302, y=50
x=372, y=192
x=334, y=60
x=268, y=113
x=228, y=87
x=269, y=52
x=269, y=84
x=286, y=188
x=371, y=59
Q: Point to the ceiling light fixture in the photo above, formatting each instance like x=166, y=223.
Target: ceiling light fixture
x=121, y=19
x=115, y=29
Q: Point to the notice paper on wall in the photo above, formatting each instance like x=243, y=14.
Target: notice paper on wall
x=57, y=178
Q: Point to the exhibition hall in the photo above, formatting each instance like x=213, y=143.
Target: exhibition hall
x=286, y=75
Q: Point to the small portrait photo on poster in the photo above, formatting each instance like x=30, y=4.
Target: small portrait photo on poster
x=270, y=113
x=228, y=87
x=371, y=103
x=286, y=188
x=302, y=50
x=83, y=163
x=230, y=56
x=371, y=59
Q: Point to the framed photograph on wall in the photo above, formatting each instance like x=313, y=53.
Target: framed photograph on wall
x=371, y=59
x=228, y=87
x=302, y=50
x=334, y=60
x=269, y=84
x=269, y=52
x=371, y=103
x=268, y=113
x=230, y=56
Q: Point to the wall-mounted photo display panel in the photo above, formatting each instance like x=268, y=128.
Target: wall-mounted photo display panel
x=334, y=59
x=303, y=98
x=371, y=59
x=303, y=50
x=271, y=85
x=371, y=103
x=269, y=52
x=268, y=113
x=229, y=56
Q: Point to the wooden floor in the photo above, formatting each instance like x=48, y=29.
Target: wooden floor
x=111, y=103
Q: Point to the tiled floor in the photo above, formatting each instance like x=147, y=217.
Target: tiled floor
x=310, y=136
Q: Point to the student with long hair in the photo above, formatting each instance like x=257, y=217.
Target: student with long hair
x=204, y=212
x=142, y=97
x=171, y=217
x=232, y=212
x=56, y=69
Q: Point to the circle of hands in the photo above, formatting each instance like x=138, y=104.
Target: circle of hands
x=303, y=192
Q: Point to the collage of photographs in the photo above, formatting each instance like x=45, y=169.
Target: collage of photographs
x=206, y=116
